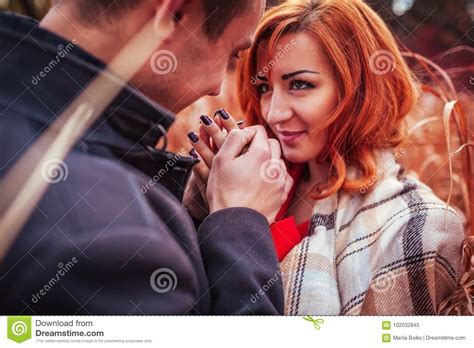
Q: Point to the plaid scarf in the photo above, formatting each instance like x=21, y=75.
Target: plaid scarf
x=393, y=249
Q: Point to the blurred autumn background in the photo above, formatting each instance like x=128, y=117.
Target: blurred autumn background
x=441, y=31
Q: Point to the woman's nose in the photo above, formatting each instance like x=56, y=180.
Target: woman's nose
x=280, y=110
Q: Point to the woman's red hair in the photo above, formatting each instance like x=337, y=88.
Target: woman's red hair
x=377, y=88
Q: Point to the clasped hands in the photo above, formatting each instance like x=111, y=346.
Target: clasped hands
x=234, y=168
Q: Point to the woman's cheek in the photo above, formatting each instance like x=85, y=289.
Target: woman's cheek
x=264, y=110
x=314, y=145
x=315, y=110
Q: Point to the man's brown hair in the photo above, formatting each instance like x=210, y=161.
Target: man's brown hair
x=218, y=13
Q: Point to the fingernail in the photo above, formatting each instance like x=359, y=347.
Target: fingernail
x=240, y=123
x=223, y=114
x=206, y=120
x=193, y=153
x=193, y=137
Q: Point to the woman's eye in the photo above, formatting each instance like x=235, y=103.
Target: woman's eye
x=263, y=88
x=300, y=85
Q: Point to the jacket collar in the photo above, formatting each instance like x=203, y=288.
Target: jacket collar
x=56, y=72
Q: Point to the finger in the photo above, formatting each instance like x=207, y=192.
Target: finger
x=200, y=182
x=202, y=148
x=201, y=168
x=227, y=121
x=289, y=182
x=241, y=124
x=260, y=141
x=211, y=128
x=235, y=142
x=218, y=121
x=200, y=186
x=205, y=137
x=275, y=148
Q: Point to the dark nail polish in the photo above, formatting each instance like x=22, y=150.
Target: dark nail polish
x=206, y=120
x=223, y=114
x=193, y=153
x=193, y=137
x=240, y=123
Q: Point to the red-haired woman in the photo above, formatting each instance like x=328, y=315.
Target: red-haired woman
x=356, y=236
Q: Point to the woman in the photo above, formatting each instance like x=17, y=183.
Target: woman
x=356, y=236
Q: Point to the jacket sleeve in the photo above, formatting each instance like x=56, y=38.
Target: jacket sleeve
x=128, y=270
x=241, y=263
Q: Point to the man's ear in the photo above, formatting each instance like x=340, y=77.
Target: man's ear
x=176, y=11
x=167, y=15
x=174, y=7
x=172, y=11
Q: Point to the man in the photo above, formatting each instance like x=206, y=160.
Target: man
x=105, y=239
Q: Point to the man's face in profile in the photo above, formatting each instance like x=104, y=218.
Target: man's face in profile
x=192, y=66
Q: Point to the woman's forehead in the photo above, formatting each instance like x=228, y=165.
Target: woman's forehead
x=291, y=50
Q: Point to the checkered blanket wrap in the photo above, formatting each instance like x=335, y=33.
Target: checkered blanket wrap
x=395, y=250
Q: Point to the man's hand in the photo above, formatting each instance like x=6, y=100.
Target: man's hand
x=257, y=179
x=238, y=168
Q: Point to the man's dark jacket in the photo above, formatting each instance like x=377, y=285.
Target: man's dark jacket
x=112, y=237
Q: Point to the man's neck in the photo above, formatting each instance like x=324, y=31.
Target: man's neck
x=101, y=40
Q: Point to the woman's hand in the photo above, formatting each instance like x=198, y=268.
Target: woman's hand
x=242, y=169
x=212, y=134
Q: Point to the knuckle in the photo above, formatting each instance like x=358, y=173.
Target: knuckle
x=261, y=153
x=234, y=134
x=218, y=160
x=274, y=142
x=289, y=183
x=260, y=128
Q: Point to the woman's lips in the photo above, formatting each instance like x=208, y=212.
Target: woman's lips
x=291, y=137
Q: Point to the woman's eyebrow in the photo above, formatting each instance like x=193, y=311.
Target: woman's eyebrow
x=290, y=75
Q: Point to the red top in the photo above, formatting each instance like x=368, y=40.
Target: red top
x=285, y=232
